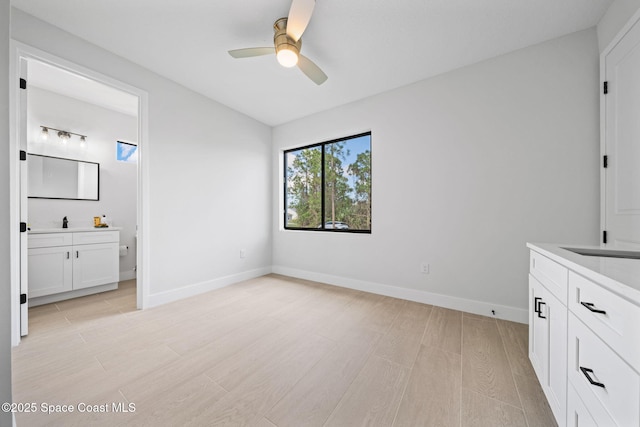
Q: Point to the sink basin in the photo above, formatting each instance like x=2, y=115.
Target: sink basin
x=611, y=253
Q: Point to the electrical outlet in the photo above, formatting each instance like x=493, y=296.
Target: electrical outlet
x=424, y=268
x=243, y=253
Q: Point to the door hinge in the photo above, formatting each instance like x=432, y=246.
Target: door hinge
x=604, y=236
x=23, y=155
x=23, y=84
x=23, y=298
x=605, y=161
x=605, y=87
x=23, y=227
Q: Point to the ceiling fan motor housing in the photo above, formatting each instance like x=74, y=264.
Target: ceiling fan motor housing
x=283, y=42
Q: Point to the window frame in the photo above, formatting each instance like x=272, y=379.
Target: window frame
x=126, y=143
x=323, y=185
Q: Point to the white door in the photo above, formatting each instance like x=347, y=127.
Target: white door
x=622, y=142
x=22, y=142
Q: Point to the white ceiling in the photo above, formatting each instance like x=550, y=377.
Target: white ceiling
x=364, y=46
x=57, y=80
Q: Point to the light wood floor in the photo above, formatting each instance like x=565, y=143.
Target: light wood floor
x=275, y=351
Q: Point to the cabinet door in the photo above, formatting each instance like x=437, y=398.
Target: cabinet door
x=49, y=270
x=548, y=346
x=557, y=381
x=95, y=265
x=538, y=331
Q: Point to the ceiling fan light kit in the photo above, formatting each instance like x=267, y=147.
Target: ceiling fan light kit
x=287, y=50
x=287, y=42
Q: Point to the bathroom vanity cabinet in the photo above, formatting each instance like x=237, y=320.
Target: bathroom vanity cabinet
x=584, y=313
x=64, y=262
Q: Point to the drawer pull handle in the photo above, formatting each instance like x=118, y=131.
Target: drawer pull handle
x=67, y=254
x=586, y=372
x=536, y=304
x=591, y=308
x=77, y=254
x=540, y=304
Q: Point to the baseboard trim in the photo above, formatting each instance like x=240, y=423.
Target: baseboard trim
x=48, y=299
x=504, y=312
x=161, y=298
x=127, y=275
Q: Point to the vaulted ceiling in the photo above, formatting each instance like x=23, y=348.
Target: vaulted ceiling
x=364, y=46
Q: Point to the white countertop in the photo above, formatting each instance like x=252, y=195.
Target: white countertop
x=72, y=230
x=619, y=275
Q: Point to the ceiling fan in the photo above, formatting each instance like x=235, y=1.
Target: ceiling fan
x=287, y=42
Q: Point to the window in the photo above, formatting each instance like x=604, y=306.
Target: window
x=328, y=186
x=126, y=152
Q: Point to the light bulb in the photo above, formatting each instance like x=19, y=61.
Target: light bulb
x=83, y=141
x=287, y=57
x=44, y=134
x=64, y=136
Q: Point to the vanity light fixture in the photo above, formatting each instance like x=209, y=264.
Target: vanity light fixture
x=64, y=135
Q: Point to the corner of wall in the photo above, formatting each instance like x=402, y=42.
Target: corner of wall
x=615, y=18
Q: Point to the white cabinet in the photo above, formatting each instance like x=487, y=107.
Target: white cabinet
x=548, y=332
x=603, y=381
x=604, y=353
x=50, y=270
x=62, y=262
x=577, y=413
x=583, y=336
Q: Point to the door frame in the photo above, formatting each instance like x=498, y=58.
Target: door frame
x=23, y=51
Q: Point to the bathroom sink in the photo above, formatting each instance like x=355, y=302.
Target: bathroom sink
x=611, y=253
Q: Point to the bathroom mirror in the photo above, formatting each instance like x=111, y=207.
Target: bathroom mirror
x=58, y=178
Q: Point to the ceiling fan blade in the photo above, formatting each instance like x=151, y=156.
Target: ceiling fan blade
x=299, y=16
x=311, y=70
x=252, y=51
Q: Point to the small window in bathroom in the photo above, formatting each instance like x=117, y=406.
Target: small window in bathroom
x=126, y=152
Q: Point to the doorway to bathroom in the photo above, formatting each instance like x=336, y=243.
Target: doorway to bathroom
x=70, y=113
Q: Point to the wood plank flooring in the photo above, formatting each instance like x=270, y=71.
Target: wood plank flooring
x=274, y=352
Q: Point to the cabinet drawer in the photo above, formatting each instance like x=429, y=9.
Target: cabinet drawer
x=617, y=326
x=91, y=237
x=48, y=240
x=552, y=275
x=619, y=389
x=579, y=416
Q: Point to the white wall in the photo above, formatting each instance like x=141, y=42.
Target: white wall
x=118, y=180
x=614, y=19
x=208, y=174
x=5, y=282
x=467, y=167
